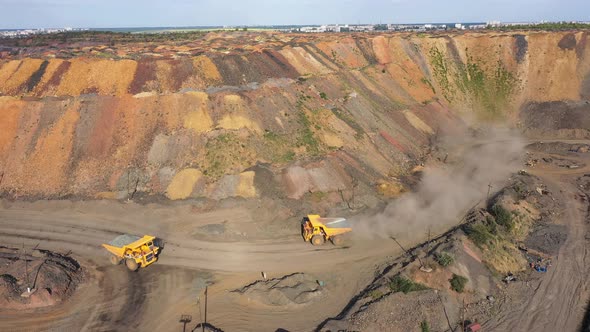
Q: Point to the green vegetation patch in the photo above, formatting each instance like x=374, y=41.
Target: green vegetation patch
x=479, y=234
x=441, y=71
x=503, y=217
x=306, y=136
x=277, y=147
x=444, y=259
x=375, y=294
x=318, y=196
x=498, y=227
x=225, y=154
x=458, y=283
x=404, y=285
x=489, y=87
x=497, y=235
x=549, y=26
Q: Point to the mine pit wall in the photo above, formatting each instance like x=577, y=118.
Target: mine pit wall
x=283, y=122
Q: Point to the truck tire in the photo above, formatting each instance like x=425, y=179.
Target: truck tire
x=317, y=240
x=337, y=240
x=115, y=260
x=131, y=264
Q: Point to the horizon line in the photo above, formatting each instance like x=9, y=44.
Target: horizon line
x=292, y=25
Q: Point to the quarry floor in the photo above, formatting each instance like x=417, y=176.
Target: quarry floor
x=112, y=298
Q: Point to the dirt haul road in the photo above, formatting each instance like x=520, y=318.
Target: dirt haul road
x=155, y=297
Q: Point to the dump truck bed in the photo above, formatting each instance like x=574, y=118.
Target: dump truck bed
x=124, y=240
x=118, y=245
x=335, y=222
x=317, y=230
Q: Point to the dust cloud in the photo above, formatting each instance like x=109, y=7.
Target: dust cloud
x=475, y=160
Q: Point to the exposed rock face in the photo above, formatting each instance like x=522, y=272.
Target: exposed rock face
x=320, y=111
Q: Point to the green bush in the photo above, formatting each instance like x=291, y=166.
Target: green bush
x=458, y=283
x=306, y=137
x=375, y=294
x=401, y=284
x=503, y=216
x=424, y=327
x=444, y=259
x=323, y=95
x=288, y=156
x=491, y=225
x=479, y=234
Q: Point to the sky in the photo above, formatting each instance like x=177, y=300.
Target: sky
x=170, y=13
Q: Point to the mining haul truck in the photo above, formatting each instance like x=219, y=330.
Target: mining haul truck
x=318, y=230
x=134, y=250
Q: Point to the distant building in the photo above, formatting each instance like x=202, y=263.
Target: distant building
x=29, y=32
x=331, y=28
x=386, y=27
x=311, y=29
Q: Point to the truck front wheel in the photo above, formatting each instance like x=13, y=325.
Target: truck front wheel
x=317, y=240
x=131, y=264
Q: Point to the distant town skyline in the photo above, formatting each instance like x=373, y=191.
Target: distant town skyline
x=17, y=14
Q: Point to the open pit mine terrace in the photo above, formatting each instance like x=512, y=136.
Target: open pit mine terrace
x=220, y=144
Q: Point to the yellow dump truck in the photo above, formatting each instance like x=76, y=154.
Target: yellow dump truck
x=318, y=230
x=136, y=251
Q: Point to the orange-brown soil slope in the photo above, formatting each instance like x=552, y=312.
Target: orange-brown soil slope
x=280, y=115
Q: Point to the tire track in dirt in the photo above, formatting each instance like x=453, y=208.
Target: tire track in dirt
x=118, y=300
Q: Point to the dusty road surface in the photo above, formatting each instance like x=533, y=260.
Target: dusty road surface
x=559, y=301
x=114, y=299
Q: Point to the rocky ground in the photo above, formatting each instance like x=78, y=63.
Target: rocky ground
x=35, y=279
x=220, y=248
x=542, y=208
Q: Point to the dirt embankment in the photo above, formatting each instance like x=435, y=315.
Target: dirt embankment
x=285, y=109
x=499, y=250
x=34, y=279
x=557, y=119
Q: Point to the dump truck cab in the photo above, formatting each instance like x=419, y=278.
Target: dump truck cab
x=136, y=251
x=318, y=230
